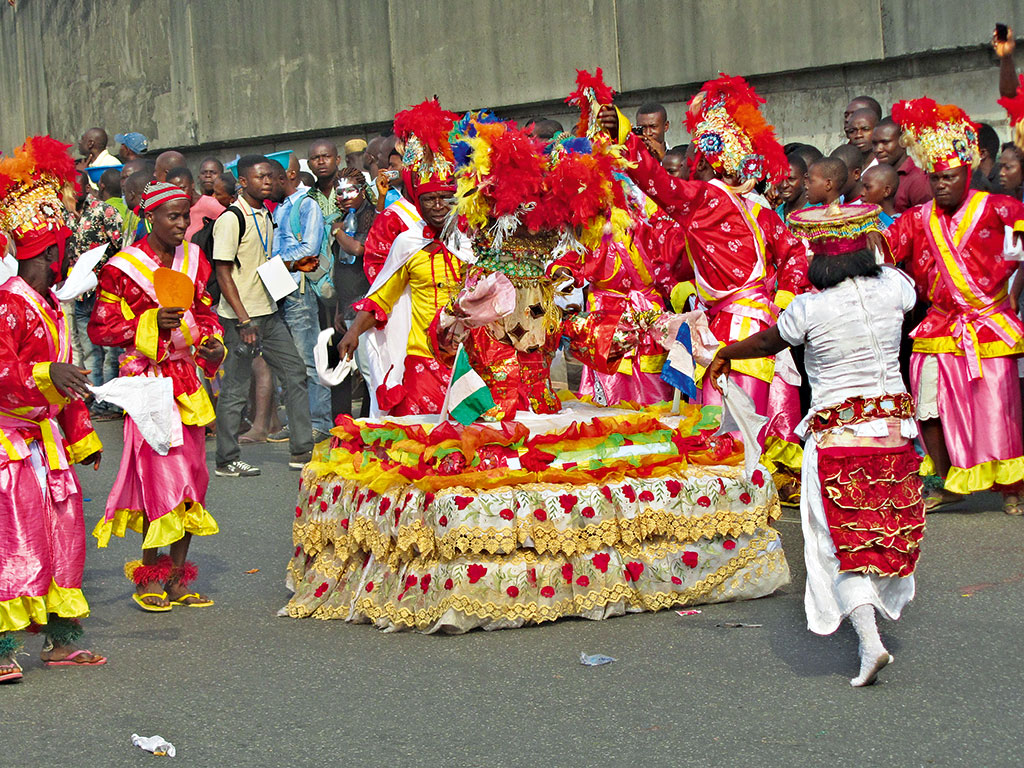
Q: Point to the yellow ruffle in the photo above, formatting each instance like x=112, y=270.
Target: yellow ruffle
x=67, y=602
x=187, y=517
x=981, y=477
x=779, y=452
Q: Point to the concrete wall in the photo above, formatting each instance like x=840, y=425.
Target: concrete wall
x=223, y=76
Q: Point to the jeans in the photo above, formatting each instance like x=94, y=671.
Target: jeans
x=301, y=314
x=281, y=355
x=101, y=361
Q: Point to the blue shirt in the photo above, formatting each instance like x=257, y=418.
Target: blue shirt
x=311, y=227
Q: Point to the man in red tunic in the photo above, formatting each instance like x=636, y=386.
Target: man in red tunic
x=161, y=496
x=44, y=423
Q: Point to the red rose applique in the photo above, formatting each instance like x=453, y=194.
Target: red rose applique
x=629, y=493
x=335, y=493
x=344, y=523
x=568, y=501
x=728, y=544
x=745, y=498
x=583, y=581
x=704, y=501
x=371, y=495
x=646, y=496
x=540, y=514
x=297, y=550
x=462, y=502
x=567, y=573
x=512, y=591
x=676, y=580
x=633, y=570
x=320, y=590
x=547, y=592
x=673, y=487
x=606, y=492
x=690, y=559
x=476, y=572
x=757, y=478
x=506, y=514
x=587, y=512
x=385, y=505
x=410, y=581
x=369, y=586
x=600, y=561
x=443, y=521
x=323, y=506
x=298, y=511
x=531, y=576
x=425, y=583
x=448, y=584
x=317, y=491
x=428, y=499
x=721, y=485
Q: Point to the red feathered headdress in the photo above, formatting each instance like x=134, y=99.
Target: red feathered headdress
x=31, y=182
x=590, y=95
x=728, y=128
x=428, y=156
x=1014, y=106
x=937, y=136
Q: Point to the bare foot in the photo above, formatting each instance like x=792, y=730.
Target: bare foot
x=252, y=436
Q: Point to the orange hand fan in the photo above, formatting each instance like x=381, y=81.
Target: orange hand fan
x=173, y=289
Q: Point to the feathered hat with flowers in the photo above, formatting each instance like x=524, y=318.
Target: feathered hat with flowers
x=728, y=129
x=1014, y=106
x=427, y=156
x=938, y=137
x=31, y=183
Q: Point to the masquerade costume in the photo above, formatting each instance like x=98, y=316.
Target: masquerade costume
x=42, y=432
x=744, y=262
x=963, y=370
x=169, y=492
x=861, y=507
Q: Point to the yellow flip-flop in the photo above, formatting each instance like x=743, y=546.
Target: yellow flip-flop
x=181, y=601
x=148, y=606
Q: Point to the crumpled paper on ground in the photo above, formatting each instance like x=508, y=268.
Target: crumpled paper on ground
x=149, y=400
x=595, y=660
x=739, y=415
x=158, y=745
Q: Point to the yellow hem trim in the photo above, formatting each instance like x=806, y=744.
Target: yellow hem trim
x=187, y=517
x=981, y=477
x=779, y=452
x=67, y=602
x=41, y=376
x=85, y=447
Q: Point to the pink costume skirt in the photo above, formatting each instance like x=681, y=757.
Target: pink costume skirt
x=611, y=388
x=167, y=492
x=42, y=542
x=981, y=420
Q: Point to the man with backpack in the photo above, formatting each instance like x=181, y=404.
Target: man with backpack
x=298, y=241
x=252, y=322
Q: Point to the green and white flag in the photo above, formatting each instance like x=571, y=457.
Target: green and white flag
x=467, y=395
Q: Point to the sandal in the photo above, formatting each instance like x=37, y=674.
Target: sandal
x=1012, y=505
x=937, y=499
x=74, y=660
x=199, y=601
x=140, y=601
x=14, y=671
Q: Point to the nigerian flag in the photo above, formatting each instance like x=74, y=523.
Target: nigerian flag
x=467, y=395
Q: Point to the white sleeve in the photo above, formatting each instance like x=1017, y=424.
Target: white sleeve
x=793, y=322
x=902, y=282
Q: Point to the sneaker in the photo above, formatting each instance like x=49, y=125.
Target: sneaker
x=281, y=436
x=319, y=436
x=236, y=468
x=299, y=460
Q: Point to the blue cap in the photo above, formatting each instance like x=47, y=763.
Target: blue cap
x=136, y=142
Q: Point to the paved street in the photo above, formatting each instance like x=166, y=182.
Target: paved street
x=237, y=686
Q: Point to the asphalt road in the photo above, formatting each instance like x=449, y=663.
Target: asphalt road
x=236, y=685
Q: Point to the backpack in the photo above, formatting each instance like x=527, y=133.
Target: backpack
x=204, y=240
x=321, y=278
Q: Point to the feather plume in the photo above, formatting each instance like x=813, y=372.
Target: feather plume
x=590, y=95
x=38, y=157
x=428, y=123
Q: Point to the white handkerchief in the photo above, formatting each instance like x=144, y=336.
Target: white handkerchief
x=82, y=279
x=1011, y=248
x=149, y=400
x=276, y=278
x=739, y=415
x=329, y=377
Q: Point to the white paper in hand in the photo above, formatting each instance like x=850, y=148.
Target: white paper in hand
x=739, y=415
x=276, y=278
x=150, y=403
x=329, y=377
x=82, y=279
x=1012, y=250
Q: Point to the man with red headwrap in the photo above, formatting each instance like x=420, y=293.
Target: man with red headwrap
x=161, y=496
x=420, y=275
x=44, y=423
